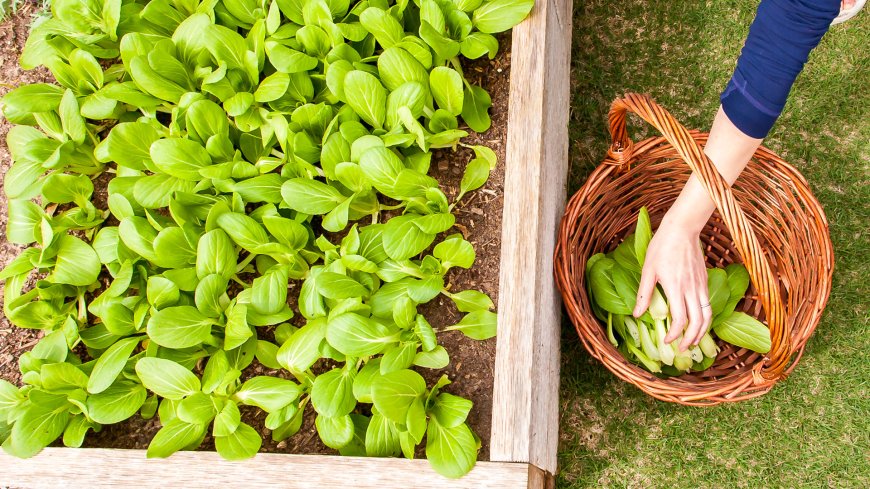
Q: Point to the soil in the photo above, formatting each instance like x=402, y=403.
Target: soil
x=478, y=218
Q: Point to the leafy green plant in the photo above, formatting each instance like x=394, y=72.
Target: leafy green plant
x=246, y=141
x=612, y=281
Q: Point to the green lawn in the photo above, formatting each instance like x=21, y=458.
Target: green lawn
x=813, y=429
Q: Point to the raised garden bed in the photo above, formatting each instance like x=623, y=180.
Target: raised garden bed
x=521, y=387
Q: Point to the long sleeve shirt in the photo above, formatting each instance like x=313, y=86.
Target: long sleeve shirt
x=779, y=42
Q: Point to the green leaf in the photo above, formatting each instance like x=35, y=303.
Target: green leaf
x=210, y=295
x=244, y=230
x=472, y=300
x=300, y=352
x=197, y=408
x=477, y=44
x=335, y=432
x=642, y=235
x=215, y=254
x=10, y=398
x=717, y=288
x=128, y=144
x=77, y=262
x=337, y=286
x=475, y=109
x=175, y=435
x=446, y=86
x=478, y=325
x=137, y=234
x=24, y=219
x=738, y=283
x=500, y=15
x=180, y=158
x=362, y=383
x=357, y=335
x=242, y=444
x=269, y=291
x=603, y=283
x=399, y=357
x=174, y=248
x=162, y=292
x=237, y=330
x=287, y=231
x=155, y=191
x=454, y=251
x=310, y=196
x=268, y=393
x=450, y=411
x=382, y=167
x=42, y=423
x=62, y=188
x=437, y=358
x=227, y=420
x=393, y=393
x=110, y=364
x=288, y=60
x=744, y=331
x=426, y=333
x=386, y=29
x=71, y=119
x=332, y=393
x=397, y=67
x=403, y=239
x=382, y=437
x=451, y=451
x=116, y=403
x=62, y=376
x=272, y=87
x=75, y=431
x=19, y=104
x=475, y=176
x=179, y=327
x=263, y=188
x=166, y=378
x=366, y=96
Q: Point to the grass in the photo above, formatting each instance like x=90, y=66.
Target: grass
x=813, y=429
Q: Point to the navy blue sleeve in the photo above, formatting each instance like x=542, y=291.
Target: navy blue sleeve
x=779, y=42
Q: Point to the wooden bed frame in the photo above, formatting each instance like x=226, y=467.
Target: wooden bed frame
x=525, y=419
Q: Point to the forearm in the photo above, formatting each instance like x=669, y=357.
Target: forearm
x=730, y=150
x=780, y=40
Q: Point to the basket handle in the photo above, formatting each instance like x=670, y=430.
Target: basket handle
x=744, y=237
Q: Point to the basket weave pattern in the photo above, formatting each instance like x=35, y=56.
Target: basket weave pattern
x=768, y=220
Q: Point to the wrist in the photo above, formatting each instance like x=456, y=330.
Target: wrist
x=684, y=224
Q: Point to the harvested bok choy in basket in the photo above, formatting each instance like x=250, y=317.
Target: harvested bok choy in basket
x=612, y=280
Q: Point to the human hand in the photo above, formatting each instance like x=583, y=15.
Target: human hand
x=674, y=260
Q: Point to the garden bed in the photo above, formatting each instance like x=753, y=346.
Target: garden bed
x=514, y=376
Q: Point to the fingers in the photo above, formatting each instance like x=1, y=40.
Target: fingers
x=696, y=320
x=706, y=313
x=644, y=291
x=678, y=313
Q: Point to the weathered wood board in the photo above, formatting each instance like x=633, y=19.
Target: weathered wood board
x=525, y=415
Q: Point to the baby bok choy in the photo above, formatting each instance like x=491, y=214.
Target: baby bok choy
x=612, y=281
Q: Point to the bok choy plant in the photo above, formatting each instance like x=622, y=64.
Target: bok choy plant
x=250, y=145
x=612, y=281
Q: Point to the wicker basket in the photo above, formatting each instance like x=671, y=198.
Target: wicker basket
x=769, y=220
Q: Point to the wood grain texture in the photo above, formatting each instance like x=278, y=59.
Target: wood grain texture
x=525, y=413
x=101, y=467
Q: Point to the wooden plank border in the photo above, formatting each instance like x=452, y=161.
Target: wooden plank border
x=525, y=427
x=525, y=421
x=102, y=467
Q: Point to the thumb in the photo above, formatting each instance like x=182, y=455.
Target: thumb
x=644, y=291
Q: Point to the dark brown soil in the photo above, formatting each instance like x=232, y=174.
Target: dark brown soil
x=478, y=218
